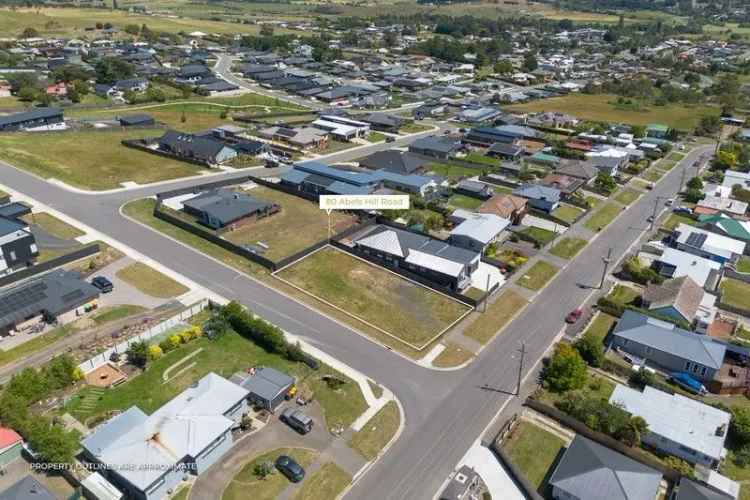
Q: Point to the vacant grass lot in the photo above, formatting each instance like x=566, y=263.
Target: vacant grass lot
x=627, y=196
x=451, y=171
x=568, y=213
x=539, y=235
x=735, y=293
x=533, y=450
x=602, y=217
x=412, y=313
x=538, y=276
x=150, y=281
x=603, y=107
x=270, y=487
x=498, y=314
x=52, y=225
x=567, y=248
x=653, y=174
x=325, y=483
x=90, y=160
x=299, y=224
x=377, y=432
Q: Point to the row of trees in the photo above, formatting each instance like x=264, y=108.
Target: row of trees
x=50, y=440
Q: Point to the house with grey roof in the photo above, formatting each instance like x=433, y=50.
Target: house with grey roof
x=690, y=490
x=435, y=146
x=18, y=247
x=668, y=347
x=441, y=263
x=219, y=208
x=196, y=148
x=543, y=198
x=147, y=456
x=58, y=296
x=27, y=488
x=476, y=231
x=677, y=425
x=590, y=471
x=707, y=485
x=36, y=118
x=397, y=162
x=267, y=387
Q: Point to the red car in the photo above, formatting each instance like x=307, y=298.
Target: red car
x=574, y=315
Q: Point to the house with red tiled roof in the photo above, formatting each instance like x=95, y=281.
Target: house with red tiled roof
x=11, y=444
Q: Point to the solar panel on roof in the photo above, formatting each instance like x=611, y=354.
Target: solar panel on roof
x=696, y=239
x=23, y=297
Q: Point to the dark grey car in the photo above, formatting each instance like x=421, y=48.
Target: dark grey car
x=297, y=420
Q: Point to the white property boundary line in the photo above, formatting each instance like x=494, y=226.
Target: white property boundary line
x=365, y=322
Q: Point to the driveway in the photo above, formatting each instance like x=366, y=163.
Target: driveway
x=275, y=434
x=125, y=293
x=530, y=220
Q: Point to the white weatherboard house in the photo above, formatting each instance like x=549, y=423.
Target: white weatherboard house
x=677, y=425
x=147, y=456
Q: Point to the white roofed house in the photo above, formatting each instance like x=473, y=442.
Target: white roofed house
x=677, y=425
x=675, y=263
x=147, y=456
x=440, y=263
x=476, y=231
x=706, y=244
x=342, y=128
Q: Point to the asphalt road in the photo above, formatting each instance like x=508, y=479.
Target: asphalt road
x=445, y=411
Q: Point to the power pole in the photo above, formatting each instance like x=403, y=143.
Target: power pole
x=522, y=350
x=653, y=215
x=606, y=261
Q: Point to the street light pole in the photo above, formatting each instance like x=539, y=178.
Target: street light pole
x=606, y=261
x=520, y=368
x=653, y=215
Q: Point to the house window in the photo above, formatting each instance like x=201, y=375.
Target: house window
x=688, y=365
x=703, y=371
x=12, y=255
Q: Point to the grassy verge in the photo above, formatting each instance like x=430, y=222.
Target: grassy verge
x=377, y=432
x=538, y=276
x=150, y=281
x=453, y=355
x=411, y=312
x=567, y=248
x=376, y=137
x=52, y=225
x=627, y=196
x=116, y=312
x=270, y=487
x=498, y=314
x=326, y=483
x=533, y=450
x=602, y=217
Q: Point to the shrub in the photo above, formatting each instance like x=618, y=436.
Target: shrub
x=154, y=352
x=739, y=427
x=566, y=370
x=591, y=350
x=680, y=466
x=138, y=354
x=642, y=378
x=610, y=306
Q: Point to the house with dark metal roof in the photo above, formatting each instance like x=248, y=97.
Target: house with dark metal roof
x=668, y=347
x=139, y=119
x=18, y=247
x=692, y=490
x=27, y=488
x=505, y=151
x=397, y=162
x=267, y=387
x=578, y=169
x=384, y=122
x=437, y=261
x=436, y=146
x=58, y=296
x=220, y=208
x=474, y=189
x=487, y=136
x=194, y=147
x=35, y=118
x=590, y=471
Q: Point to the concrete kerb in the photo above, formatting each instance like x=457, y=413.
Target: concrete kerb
x=363, y=321
x=112, y=242
x=222, y=300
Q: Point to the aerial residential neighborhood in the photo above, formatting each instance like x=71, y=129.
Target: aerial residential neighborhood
x=384, y=249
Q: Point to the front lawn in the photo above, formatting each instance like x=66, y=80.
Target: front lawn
x=450, y=171
x=410, y=312
x=602, y=217
x=377, y=432
x=482, y=159
x=735, y=293
x=624, y=294
x=567, y=213
x=324, y=484
x=600, y=326
x=653, y=174
x=627, y=196
x=675, y=220
x=538, y=276
x=271, y=486
x=533, y=450
x=52, y=225
x=376, y=137
x=743, y=265
x=539, y=235
x=567, y=248
x=463, y=201
x=150, y=281
x=91, y=159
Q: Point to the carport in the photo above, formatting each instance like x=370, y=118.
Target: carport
x=267, y=387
